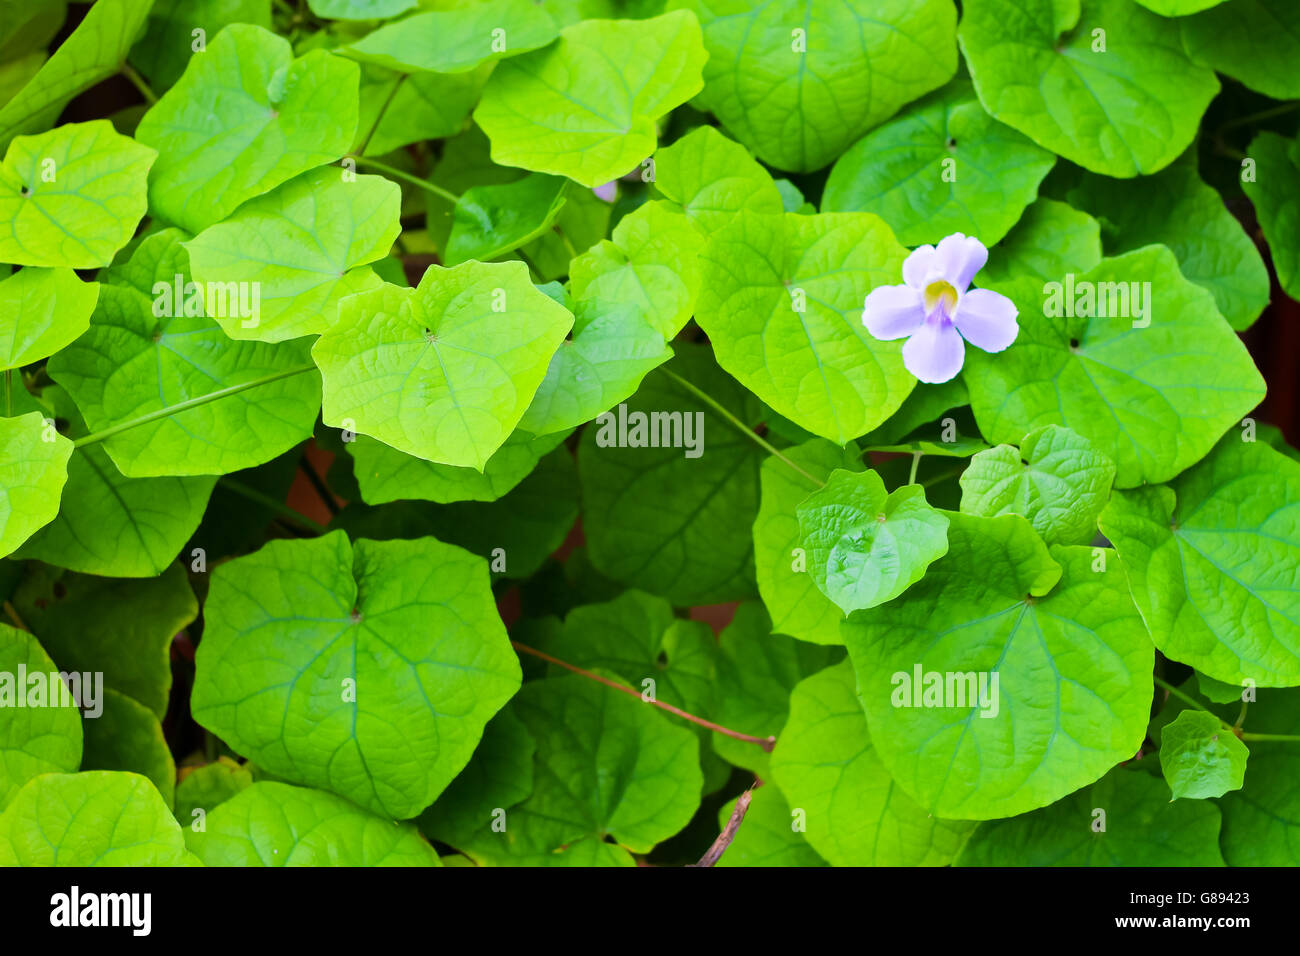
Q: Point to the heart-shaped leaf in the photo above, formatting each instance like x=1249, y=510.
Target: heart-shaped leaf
x=1200, y=757
x=41, y=311
x=33, y=470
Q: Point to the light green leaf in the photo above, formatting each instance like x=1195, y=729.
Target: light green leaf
x=34, y=740
x=650, y=266
x=1254, y=41
x=712, y=178
x=446, y=370
x=797, y=606
x=167, y=43
x=1056, y=479
x=386, y=474
x=72, y=196
x=1178, y=8
x=359, y=9
x=1141, y=829
x=1214, y=563
x=94, y=52
x=1153, y=398
x=126, y=735
x=798, y=101
x=457, y=40
x=766, y=836
x=415, y=106
x=303, y=246
x=855, y=814
x=133, y=362
x=1200, y=757
x=1261, y=824
x=41, y=311
x=1274, y=191
x=606, y=765
x=1217, y=690
x=381, y=691
x=941, y=166
x=204, y=788
x=1126, y=111
x=586, y=107
x=1175, y=208
x=245, y=117
x=781, y=302
x=1050, y=240
x=866, y=546
x=658, y=519
x=274, y=824
x=998, y=608
x=96, y=818
x=122, y=629
x=492, y=221
x=33, y=470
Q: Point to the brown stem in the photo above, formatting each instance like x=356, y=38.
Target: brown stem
x=728, y=833
x=767, y=743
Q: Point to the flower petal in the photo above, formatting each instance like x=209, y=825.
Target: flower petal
x=935, y=353
x=958, y=258
x=893, y=311
x=917, y=266
x=987, y=319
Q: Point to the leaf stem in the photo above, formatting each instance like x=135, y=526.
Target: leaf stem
x=186, y=405
x=767, y=743
x=13, y=616
x=9, y=393
x=379, y=117
x=719, y=846
x=1288, y=738
x=449, y=196
x=252, y=494
x=139, y=83
x=739, y=425
x=1281, y=110
x=317, y=482
x=1188, y=699
x=916, y=463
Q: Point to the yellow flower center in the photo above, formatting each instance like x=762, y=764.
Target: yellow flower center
x=940, y=291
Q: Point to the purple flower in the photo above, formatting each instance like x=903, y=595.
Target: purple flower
x=608, y=191
x=935, y=310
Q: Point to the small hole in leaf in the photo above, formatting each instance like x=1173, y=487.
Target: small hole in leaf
x=952, y=143
x=1074, y=343
x=662, y=659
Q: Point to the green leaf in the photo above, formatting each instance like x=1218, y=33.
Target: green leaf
x=1126, y=111
x=274, y=824
x=1212, y=562
x=998, y=608
x=204, y=788
x=855, y=814
x=304, y=247
x=96, y=818
x=94, y=52
x=133, y=362
x=766, y=836
x=1254, y=41
x=799, y=100
x=586, y=107
x=72, y=196
x=446, y=370
x=134, y=623
x=941, y=166
x=1050, y=240
x=781, y=302
x=41, y=311
x=1217, y=254
x=797, y=605
x=606, y=766
x=1056, y=479
x=1261, y=824
x=866, y=546
x=167, y=43
x=1200, y=757
x=1278, y=206
x=33, y=470
x=409, y=108
x=126, y=735
x=651, y=266
x=712, y=178
x=656, y=518
x=457, y=40
x=1217, y=690
x=34, y=740
x=1141, y=829
x=492, y=221
x=244, y=118
x=359, y=9
x=1178, y=8
x=1153, y=398
x=386, y=474
x=367, y=670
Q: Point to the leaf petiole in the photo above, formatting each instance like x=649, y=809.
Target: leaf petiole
x=449, y=196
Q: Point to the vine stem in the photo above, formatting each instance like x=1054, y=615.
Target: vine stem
x=1188, y=699
x=186, y=405
x=379, y=117
x=1256, y=117
x=451, y=197
x=252, y=494
x=13, y=616
x=767, y=743
x=916, y=463
x=719, y=846
x=1289, y=738
x=9, y=393
x=739, y=425
x=139, y=83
